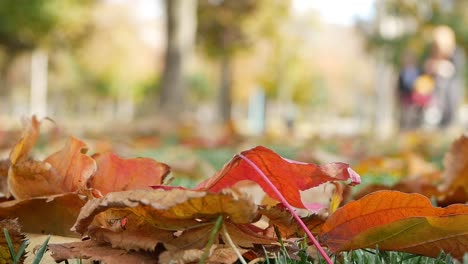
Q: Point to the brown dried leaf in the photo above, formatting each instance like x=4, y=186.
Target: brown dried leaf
x=171, y=209
x=99, y=251
x=192, y=238
x=245, y=237
x=280, y=217
x=17, y=238
x=145, y=238
x=45, y=215
x=218, y=254
x=4, y=167
x=182, y=256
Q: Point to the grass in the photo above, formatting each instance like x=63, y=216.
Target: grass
x=364, y=256
x=16, y=256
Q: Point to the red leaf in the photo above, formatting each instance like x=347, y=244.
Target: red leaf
x=287, y=175
x=117, y=174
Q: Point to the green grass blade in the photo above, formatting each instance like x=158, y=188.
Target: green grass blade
x=267, y=259
x=216, y=228
x=41, y=251
x=21, y=251
x=9, y=243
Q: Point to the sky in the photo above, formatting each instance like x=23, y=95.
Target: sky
x=341, y=12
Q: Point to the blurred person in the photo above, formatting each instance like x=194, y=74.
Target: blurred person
x=445, y=65
x=410, y=114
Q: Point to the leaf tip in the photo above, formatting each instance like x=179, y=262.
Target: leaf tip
x=354, y=176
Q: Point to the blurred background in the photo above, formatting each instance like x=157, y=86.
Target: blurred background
x=222, y=68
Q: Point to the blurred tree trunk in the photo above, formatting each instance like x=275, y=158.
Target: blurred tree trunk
x=225, y=98
x=39, y=62
x=180, y=32
x=384, y=122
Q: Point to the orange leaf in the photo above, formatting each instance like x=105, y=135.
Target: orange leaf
x=398, y=221
x=117, y=174
x=31, y=178
x=73, y=164
x=28, y=139
x=65, y=171
x=288, y=176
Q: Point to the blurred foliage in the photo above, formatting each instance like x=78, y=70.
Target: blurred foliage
x=221, y=25
x=400, y=25
x=26, y=24
x=201, y=89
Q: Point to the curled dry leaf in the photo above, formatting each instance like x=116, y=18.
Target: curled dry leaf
x=45, y=215
x=23, y=147
x=73, y=164
x=99, y=251
x=398, y=221
x=64, y=171
x=173, y=209
x=31, y=178
x=117, y=174
x=290, y=177
x=17, y=238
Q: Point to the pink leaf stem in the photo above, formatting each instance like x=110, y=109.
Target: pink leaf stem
x=291, y=209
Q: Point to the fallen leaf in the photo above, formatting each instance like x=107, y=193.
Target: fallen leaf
x=4, y=167
x=73, y=164
x=191, y=238
x=400, y=222
x=99, y=251
x=225, y=255
x=183, y=256
x=173, y=209
x=23, y=147
x=288, y=227
x=243, y=236
x=218, y=254
x=456, y=167
x=31, y=178
x=64, y=171
x=145, y=238
x=17, y=238
x=45, y=215
x=117, y=174
x=288, y=176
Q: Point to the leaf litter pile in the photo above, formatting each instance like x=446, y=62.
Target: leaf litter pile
x=258, y=204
